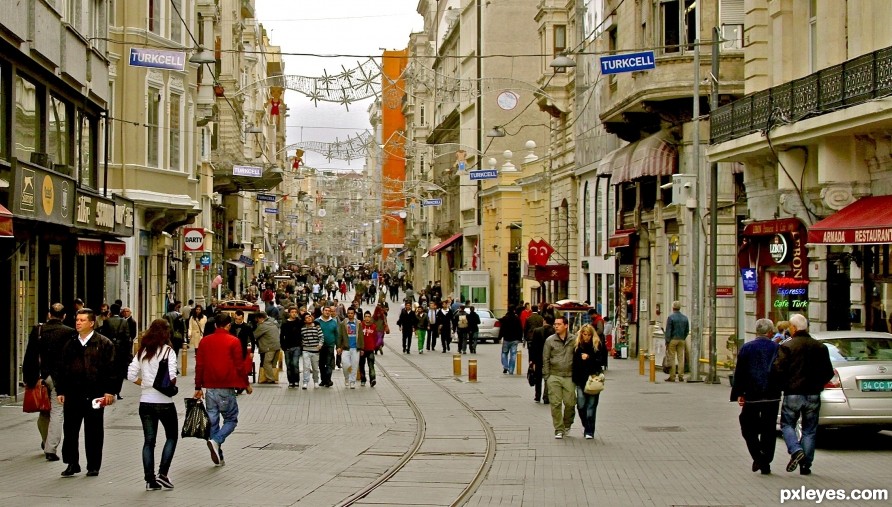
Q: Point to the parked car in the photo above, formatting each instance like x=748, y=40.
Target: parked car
x=860, y=392
x=489, y=326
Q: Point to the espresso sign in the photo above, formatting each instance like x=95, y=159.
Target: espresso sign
x=778, y=248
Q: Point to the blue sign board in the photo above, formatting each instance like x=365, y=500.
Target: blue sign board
x=266, y=197
x=157, y=58
x=483, y=174
x=205, y=260
x=432, y=202
x=750, y=280
x=247, y=261
x=629, y=62
x=271, y=210
x=247, y=170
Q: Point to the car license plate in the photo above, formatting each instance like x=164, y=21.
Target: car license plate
x=876, y=385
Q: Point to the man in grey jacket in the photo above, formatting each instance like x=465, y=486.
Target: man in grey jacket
x=557, y=370
x=267, y=337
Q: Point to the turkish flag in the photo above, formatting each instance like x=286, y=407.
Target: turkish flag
x=545, y=251
x=533, y=252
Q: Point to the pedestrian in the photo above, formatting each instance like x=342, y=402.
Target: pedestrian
x=533, y=322
x=537, y=344
x=408, y=323
x=421, y=327
x=557, y=370
x=71, y=313
x=783, y=332
x=444, y=325
x=245, y=334
x=677, y=329
x=510, y=334
x=433, y=327
x=379, y=319
x=290, y=342
x=127, y=315
x=116, y=329
x=587, y=362
x=177, y=325
x=757, y=396
x=348, y=347
x=801, y=371
x=219, y=370
x=154, y=406
x=197, y=322
x=87, y=383
x=311, y=344
x=462, y=326
x=329, y=327
x=267, y=336
x=43, y=363
x=473, y=329
x=367, y=350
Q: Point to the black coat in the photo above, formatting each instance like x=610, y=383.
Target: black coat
x=407, y=321
x=537, y=343
x=583, y=368
x=88, y=371
x=43, y=356
x=444, y=322
x=510, y=328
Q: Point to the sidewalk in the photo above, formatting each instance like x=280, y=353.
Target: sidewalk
x=656, y=444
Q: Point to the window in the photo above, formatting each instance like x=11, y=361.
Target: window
x=559, y=43
x=600, y=214
x=153, y=130
x=176, y=24
x=175, y=125
x=586, y=223
x=85, y=150
x=732, y=23
x=27, y=134
x=155, y=16
x=111, y=131
x=421, y=119
x=58, y=132
x=813, y=34
x=75, y=14
x=679, y=25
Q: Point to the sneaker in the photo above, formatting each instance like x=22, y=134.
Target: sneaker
x=214, y=447
x=795, y=458
x=670, y=379
x=589, y=437
x=352, y=385
x=362, y=383
x=372, y=383
x=504, y=370
x=421, y=352
x=164, y=481
x=222, y=462
x=153, y=486
x=558, y=435
x=304, y=387
x=804, y=471
x=766, y=470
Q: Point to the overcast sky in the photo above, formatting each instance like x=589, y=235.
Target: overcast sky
x=333, y=27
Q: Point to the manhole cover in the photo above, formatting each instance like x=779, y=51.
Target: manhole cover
x=284, y=447
x=663, y=429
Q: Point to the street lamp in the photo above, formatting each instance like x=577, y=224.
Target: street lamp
x=562, y=62
x=202, y=56
x=496, y=131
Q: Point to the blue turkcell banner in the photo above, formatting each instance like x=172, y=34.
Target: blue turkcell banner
x=483, y=174
x=158, y=59
x=266, y=197
x=628, y=62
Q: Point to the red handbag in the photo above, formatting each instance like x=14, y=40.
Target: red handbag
x=37, y=399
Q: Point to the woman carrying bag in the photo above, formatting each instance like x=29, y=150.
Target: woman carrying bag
x=197, y=322
x=587, y=361
x=154, y=406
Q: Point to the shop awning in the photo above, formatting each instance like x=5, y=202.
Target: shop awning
x=115, y=248
x=452, y=239
x=88, y=246
x=867, y=221
x=549, y=273
x=5, y=222
x=237, y=264
x=620, y=238
x=605, y=166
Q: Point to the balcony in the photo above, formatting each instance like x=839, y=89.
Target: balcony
x=853, y=82
x=445, y=229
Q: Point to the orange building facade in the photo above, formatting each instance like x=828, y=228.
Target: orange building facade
x=393, y=156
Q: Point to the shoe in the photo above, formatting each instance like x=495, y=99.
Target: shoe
x=536, y=400
x=120, y=397
x=545, y=401
x=214, y=447
x=71, y=470
x=362, y=383
x=52, y=456
x=92, y=473
x=589, y=437
x=372, y=383
x=222, y=462
x=795, y=458
x=304, y=386
x=290, y=386
x=504, y=371
x=766, y=470
x=421, y=352
x=804, y=471
x=153, y=486
x=352, y=385
x=670, y=379
x=558, y=435
x=164, y=481
x=756, y=466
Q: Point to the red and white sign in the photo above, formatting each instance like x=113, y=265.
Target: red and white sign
x=193, y=239
x=539, y=252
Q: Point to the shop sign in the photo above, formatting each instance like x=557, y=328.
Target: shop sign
x=193, y=239
x=750, y=281
x=778, y=248
x=673, y=249
x=123, y=216
x=42, y=195
x=724, y=292
x=247, y=261
x=94, y=212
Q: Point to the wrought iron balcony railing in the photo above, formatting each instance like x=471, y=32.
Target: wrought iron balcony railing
x=853, y=82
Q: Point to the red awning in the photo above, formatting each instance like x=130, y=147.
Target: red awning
x=87, y=246
x=620, y=238
x=652, y=156
x=5, y=222
x=452, y=239
x=867, y=221
x=115, y=248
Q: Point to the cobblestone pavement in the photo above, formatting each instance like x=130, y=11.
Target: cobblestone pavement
x=660, y=444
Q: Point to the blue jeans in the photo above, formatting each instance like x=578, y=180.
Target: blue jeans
x=221, y=402
x=292, y=364
x=587, y=406
x=150, y=414
x=509, y=355
x=807, y=407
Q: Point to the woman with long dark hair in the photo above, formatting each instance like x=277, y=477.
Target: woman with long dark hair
x=587, y=361
x=153, y=405
x=197, y=322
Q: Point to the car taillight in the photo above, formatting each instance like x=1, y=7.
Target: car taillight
x=835, y=382
x=497, y=324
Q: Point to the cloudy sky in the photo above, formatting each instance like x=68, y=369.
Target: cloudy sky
x=333, y=27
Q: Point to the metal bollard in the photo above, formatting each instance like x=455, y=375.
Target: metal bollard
x=184, y=370
x=641, y=355
x=653, y=368
x=519, y=363
x=472, y=370
x=456, y=365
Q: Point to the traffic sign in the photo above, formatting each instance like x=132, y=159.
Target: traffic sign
x=193, y=239
x=266, y=197
x=629, y=62
x=205, y=260
x=271, y=210
x=483, y=174
x=432, y=202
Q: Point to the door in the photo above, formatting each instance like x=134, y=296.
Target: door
x=515, y=287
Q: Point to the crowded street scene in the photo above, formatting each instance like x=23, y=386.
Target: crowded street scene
x=446, y=252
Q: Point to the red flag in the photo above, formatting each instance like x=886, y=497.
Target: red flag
x=475, y=259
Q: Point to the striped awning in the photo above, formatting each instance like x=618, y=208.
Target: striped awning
x=655, y=155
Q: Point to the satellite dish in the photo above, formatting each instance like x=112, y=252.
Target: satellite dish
x=321, y=212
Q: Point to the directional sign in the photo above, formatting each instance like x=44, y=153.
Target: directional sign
x=629, y=62
x=247, y=170
x=205, y=260
x=432, y=202
x=271, y=210
x=193, y=239
x=483, y=174
x=266, y=197
x=158, y=59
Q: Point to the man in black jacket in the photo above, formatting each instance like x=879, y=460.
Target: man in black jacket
x=117, y=329
x=88, y=379
x=510, y=334
x=43, y=361
x=473, y=329
x=290, y=341
x=444, y=325
x=407, y=323
x=537, y=343
x=801, y=370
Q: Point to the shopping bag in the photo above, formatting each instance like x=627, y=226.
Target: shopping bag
x=594, y=384
x=36, y=399
x=667, y=367
x=196, y=424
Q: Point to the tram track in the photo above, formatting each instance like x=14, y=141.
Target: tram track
x=420, y=435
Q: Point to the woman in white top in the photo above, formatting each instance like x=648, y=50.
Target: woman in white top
x=197, y=321
x=153, y=405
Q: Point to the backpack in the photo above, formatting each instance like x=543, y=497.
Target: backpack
x=462, y=321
